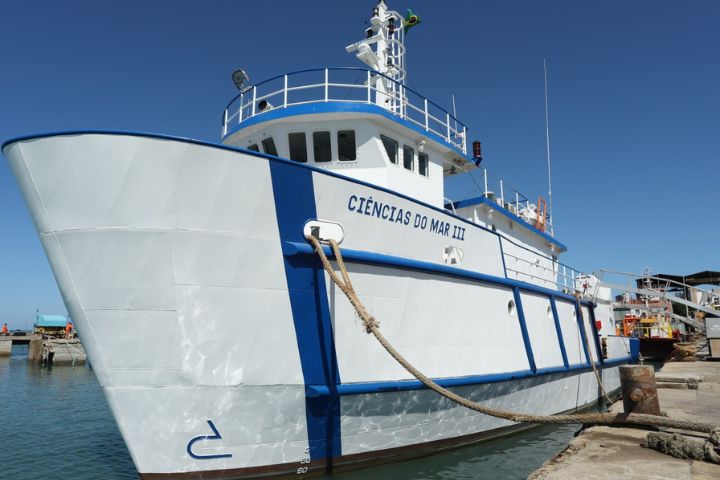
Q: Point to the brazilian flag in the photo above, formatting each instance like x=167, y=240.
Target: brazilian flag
x=410, y=20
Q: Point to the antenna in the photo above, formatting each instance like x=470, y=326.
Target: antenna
x=547, y=148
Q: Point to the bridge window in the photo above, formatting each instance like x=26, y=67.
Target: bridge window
x=298, y=147
x=423, y=164
x=346, y=145
x=253, y=147
x=321, y=146
x=391, y=147
x=269, y=146
x=408, y=158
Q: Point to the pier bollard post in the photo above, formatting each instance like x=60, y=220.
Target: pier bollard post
x=35, y=350
x=639, y=390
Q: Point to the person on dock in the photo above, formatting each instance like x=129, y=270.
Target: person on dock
x=68, y=329
x=4, y=330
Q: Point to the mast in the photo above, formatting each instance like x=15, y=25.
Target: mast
x=383, y=50
x=547, y=149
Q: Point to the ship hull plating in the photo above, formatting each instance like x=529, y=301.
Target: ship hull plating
x=223, y=348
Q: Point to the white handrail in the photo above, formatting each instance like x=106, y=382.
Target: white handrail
x=419, y=112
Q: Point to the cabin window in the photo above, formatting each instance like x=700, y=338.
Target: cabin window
x=391, y=147
x=346, y=145
x=408, y=158
x=253, y=147
x=298, y=147
x=423, y=164
x=269, y=146
x=321, y=146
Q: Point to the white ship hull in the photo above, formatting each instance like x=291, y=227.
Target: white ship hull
x=224, y=350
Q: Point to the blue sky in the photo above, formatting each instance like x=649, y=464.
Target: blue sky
x=634, y=104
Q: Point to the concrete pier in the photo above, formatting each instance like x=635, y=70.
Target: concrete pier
x=5, y=346
x=686, y=391
x=35, y=349
x=56, y=351
x=59, y=351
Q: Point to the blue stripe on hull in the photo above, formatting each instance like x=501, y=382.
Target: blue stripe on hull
x=403, y=385
x=295, y=205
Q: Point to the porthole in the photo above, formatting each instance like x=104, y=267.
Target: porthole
x=511, y=308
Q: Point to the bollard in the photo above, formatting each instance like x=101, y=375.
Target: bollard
x=639, y=391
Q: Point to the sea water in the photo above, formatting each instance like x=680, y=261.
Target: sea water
x=55, y=424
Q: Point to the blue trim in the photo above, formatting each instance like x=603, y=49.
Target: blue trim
x=295, y=205
x=523, y=329
x=338, y=106
x=265, y=156
x=359, y=256
x=405, y=385
x=634, y=349
x=558, y=329
x=478, y=200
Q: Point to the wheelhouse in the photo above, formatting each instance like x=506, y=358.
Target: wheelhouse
x=355, y=122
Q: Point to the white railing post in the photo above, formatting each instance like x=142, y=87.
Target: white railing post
x=326, y=84
x=252, y=114
x=517, y=204
x=240, y=109
x=369, y=89
x=285, y=92
x=224, y=129
x=447, y=121
x=427, y=125
x=502, y=194
x=464, y=140
x=485, y=179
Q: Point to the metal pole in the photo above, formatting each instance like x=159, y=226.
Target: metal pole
x=426, y=115
x=547, y=144
x=368, y=85
x=285, y=92
x=240, y=110
x=326, y=84
x=485, y=177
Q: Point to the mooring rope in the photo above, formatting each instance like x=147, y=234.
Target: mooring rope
x=589, y=351
x=372, y=326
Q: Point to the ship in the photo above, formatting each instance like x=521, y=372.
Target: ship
x=223, y=348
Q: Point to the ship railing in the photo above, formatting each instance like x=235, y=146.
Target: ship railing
x=347, y=85
x=655, y=331
x=515, y=202
x=533, y=267
x=660, y=288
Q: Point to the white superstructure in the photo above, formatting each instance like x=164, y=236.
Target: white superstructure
x=221, y=345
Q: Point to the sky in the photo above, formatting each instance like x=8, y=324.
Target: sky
x=634, y=104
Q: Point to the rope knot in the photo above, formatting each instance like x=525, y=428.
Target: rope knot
x=370, y=324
